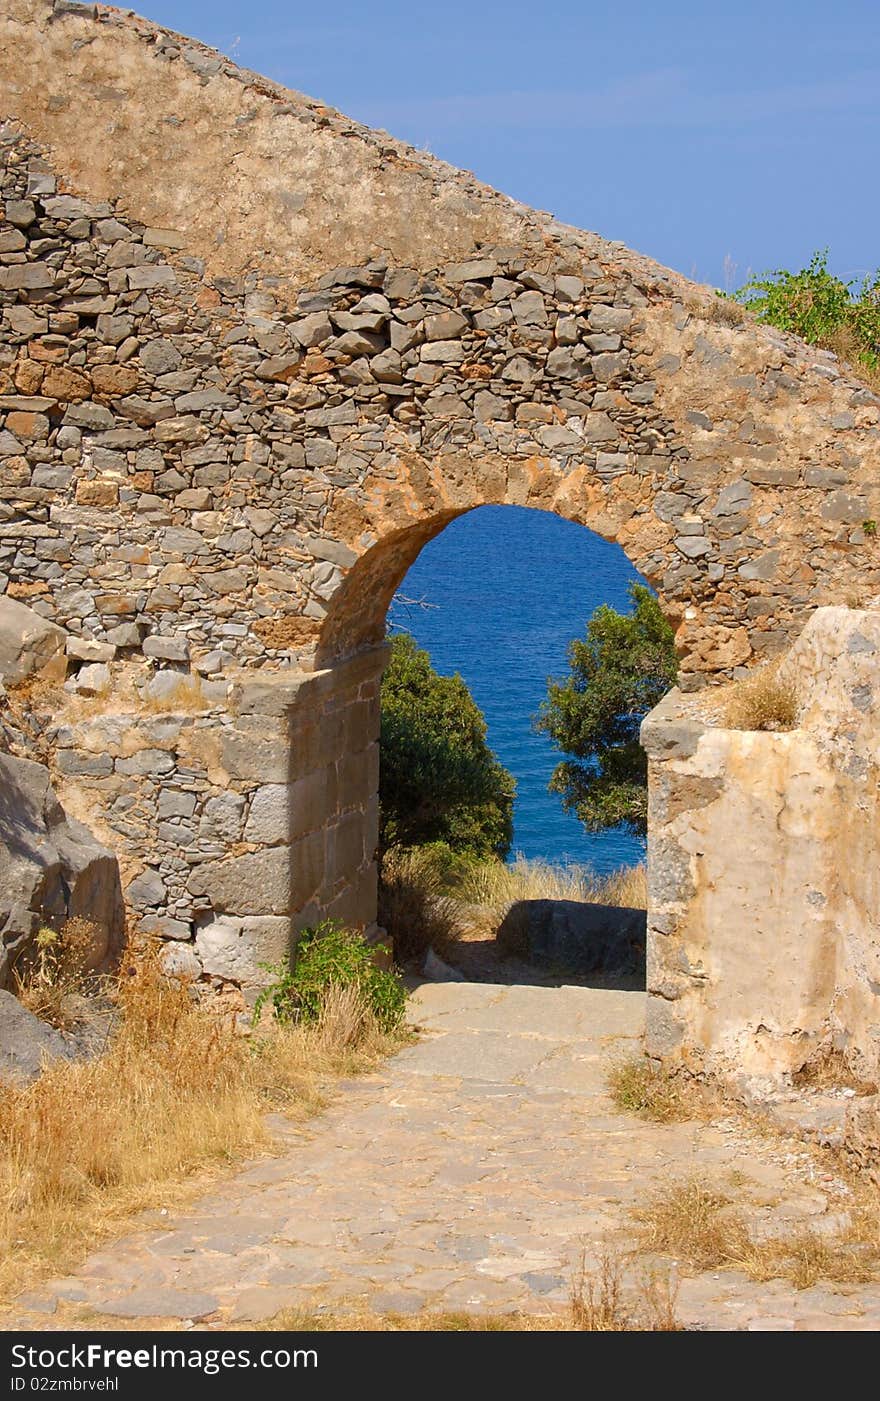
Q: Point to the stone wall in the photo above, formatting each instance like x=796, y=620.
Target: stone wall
x=241, y=822
x=236, y=401
x=764, y=886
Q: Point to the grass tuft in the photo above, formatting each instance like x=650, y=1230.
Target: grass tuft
x=50, y=979
x=600, y=1304
x=640, y=1088
x=699, y=1225
x=498, y=885
x=766, y=700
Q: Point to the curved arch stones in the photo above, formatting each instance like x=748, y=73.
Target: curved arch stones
x=254, y=356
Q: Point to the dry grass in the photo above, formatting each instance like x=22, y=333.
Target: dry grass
x=640, y=1088
x=846, y=348
x=700, y=1226
x=178, y=1091
x=766, y=700
x=830, y=1070
x=600, y=1304
x=414, y=905
x=497, y=885
x=186, y=695
x=52, y=979
x=424, y=902
x=722, y=310
x=357, y=1318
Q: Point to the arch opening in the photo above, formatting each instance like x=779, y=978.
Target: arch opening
x=512, y=587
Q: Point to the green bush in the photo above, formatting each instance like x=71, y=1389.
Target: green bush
x=620, y=671
x=328, y=954
x=820, y=308
x=439, y=780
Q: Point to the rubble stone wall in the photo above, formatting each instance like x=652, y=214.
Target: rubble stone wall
x=253, y=356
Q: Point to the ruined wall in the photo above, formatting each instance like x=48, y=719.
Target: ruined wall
x=236, y=401
x=764, y=886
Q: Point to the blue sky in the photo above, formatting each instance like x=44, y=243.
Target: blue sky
x=716, y=138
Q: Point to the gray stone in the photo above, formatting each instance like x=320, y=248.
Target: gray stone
x=87, y=649
x=234, y=949
x=181, y=961
x=259, y=883
x=28, y=641
x=222, y=818
x=26, y=1043
x=529, y=309
x=51, y=867
x=442, y=352
x=762, y=567
x=146, y=889
x=174, y=803
x=575, y=937
x=158, y=1301
x=609, y=318
x=159, y=357
x=445, y=326
x=92, y=680
x=167, y=649
x=146, y=762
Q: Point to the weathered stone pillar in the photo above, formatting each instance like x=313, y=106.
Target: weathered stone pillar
x=763, y=881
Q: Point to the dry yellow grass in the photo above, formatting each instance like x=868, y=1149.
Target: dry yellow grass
x=185, y=696
x=414, y=905
x=56, y=972
x=600, y=1303
x=498, y=885
x=766, y=700
x=846, y=347
x=178, y=1092
x=640, y=1088
x=700, y=1226
x=722, y=310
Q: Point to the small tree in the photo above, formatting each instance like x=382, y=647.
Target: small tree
x=624, y=667
x=439, y=780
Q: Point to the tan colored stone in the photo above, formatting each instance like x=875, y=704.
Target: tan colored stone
x=97, y=493
x=113, y=381
x=29, y=377
x=66, y=385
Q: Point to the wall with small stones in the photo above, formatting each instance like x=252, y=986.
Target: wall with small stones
x=247, y=811
x=764, y=887
x=228, y=424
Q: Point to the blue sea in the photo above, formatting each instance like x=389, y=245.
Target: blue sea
x=509, y=588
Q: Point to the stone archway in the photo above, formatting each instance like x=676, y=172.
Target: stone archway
x=228, y=423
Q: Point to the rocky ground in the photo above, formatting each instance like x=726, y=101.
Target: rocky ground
x=473, y=1172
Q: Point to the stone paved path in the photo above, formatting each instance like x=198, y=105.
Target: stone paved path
x=471, y=1172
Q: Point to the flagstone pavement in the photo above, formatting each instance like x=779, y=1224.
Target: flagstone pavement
x=473, y=1171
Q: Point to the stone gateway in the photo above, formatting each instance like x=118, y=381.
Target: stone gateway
x=252, y=357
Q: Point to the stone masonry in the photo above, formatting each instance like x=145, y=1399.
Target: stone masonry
x=764, y=953
x=252, y=357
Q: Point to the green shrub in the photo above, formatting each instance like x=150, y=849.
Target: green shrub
x=329, y=955
x=439, y=781
x=821, y=308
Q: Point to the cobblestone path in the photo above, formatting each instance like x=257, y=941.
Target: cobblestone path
x=471, y=1172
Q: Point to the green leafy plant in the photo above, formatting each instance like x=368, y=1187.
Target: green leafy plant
x=620, y=671
x=843, y=316
x=439, y=780
x=869, y=527
x=330, y=956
